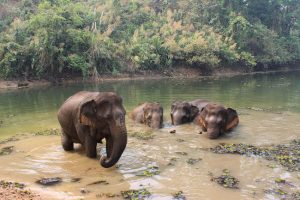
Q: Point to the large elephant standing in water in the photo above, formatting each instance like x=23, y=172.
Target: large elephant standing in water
x=185, y=112
x=217, y=120
x=88, y=117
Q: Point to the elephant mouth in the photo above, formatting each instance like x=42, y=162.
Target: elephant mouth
x=213, y=133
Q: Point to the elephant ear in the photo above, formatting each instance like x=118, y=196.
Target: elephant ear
x=233, y=119
x=87, y=112
x=194, y=111
x=173, y=106
x=202, y=117
x=104, y=110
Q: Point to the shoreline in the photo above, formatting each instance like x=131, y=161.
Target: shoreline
x=18, y=191
x=191, y=73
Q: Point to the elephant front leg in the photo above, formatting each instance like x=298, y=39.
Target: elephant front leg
x=90, y=146
x=66, y=142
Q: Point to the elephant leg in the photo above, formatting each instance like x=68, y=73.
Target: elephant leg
x=67, y=142
x=90, y=145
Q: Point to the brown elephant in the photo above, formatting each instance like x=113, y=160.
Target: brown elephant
x=185, y=112
x=217, y=120
x=88, y=117
x=150, y=114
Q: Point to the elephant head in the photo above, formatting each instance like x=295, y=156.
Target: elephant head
x=153, y=115
x=102, y=112
x=183, y=112
x=216, y=120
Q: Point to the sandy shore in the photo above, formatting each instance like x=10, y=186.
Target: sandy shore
x=9, y=193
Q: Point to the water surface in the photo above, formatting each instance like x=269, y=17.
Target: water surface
x=269, y=110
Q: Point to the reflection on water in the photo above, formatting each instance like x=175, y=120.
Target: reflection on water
x=269, y=108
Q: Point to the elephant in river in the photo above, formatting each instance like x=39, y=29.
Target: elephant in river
x=185, y=112
x=150, y=114
x=216, y=119
x=88, y=117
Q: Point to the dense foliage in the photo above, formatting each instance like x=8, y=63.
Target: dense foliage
x=50, y=38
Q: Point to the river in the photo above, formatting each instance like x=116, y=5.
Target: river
x=269, y=110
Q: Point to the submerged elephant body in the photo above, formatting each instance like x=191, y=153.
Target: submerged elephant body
x=150, y=114
x=185, y=112
x=216, y=120
x=89, y=117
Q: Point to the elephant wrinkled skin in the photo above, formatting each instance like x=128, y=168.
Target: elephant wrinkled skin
x=150, y=114
x=88, y=117
x=217, y=120
x=185, y=112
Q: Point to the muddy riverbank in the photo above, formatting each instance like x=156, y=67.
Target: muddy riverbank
x=180, y=72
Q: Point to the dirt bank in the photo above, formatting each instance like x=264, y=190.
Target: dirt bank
x=179, y=72
x=10, y=191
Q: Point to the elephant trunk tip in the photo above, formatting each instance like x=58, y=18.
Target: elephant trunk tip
x=213, y=134
x=104, y=162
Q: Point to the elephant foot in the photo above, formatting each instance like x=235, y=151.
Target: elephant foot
x=67, y=143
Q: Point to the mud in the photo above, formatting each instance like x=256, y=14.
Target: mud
x=14, y=190
x=287, y=155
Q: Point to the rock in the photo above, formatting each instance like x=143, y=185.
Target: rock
x=193, y=161
x=84, y=191
x=6, y=150
x=49, y=181
x=173, y=131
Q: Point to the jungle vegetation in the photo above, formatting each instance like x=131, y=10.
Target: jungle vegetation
x=52, y=38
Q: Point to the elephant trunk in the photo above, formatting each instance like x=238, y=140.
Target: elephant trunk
x=116, y=143
x=176, y=120
x=156, y=121
x=213, y=132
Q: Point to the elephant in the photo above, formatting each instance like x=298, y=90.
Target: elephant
x=150, y=114
x=88, y=117
x=185, y=112
x=216, y=120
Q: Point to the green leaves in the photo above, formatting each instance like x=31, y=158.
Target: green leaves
x=55, y=37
